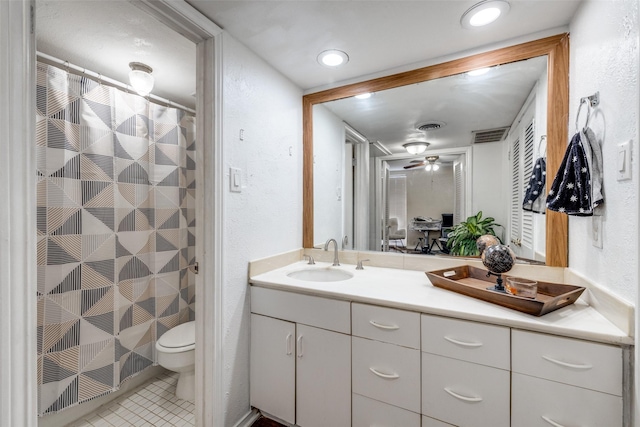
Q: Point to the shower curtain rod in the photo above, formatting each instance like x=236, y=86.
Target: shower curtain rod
x=110, y=81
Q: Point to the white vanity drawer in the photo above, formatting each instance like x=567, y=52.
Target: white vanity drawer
x=541, y=403
x=432, y=422
x=386, y=372
x=373, y=413
x=325, y=313
x=463, y=393
x=459, y=339
x=386, y=324
x=570, y=361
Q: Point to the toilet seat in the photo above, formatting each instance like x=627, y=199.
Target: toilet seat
x=178, y=339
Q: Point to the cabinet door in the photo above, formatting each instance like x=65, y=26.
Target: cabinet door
x=272, y=366
x=323, y=380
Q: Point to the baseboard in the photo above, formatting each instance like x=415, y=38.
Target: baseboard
x=248, y=419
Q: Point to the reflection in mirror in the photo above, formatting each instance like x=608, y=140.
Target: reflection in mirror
x=483, y=134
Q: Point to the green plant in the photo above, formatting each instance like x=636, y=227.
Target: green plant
x=462, y=237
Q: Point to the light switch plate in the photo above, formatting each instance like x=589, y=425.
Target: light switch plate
x=235, y=180
x=623, y=161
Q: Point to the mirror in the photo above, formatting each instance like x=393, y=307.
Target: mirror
x=481, y=119
x=553, y=49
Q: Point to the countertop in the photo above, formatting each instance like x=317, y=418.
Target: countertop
x=412, y=290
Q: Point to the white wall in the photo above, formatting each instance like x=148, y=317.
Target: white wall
x=491, y=185
x=265, y=218
x=328, y=172
x=604, y=58
x=539, y=220
x=426, y=198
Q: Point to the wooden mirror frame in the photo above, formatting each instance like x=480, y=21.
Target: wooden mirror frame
x=557, y=50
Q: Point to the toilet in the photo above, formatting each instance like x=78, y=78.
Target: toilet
x=176, y=352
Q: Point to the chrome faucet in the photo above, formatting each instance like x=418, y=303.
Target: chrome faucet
x=336, y=262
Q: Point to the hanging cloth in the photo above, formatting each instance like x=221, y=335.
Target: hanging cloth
x=572, y=191
x=532, y=200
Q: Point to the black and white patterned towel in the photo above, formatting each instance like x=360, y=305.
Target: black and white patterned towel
x=536, y=188
x=572, y=189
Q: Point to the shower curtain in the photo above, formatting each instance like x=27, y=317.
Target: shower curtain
x=116, y=234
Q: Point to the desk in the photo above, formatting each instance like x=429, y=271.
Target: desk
x=427, y=227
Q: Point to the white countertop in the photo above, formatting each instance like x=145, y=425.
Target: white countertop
x=412, y=290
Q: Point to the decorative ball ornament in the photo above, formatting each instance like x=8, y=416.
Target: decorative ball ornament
x=498, y=258
x=485, y=241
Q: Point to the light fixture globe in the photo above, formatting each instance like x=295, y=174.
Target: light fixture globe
x=416, y=147
x=484, y=13
x=140, y=78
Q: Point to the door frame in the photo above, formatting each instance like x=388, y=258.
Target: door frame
x=18, y=240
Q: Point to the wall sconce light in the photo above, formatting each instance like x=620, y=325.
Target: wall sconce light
x=416, y=147
x=140, y=78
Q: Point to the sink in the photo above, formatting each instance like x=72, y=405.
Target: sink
x=320, y=275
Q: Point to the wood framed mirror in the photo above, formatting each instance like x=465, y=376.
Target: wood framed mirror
x=556, y=48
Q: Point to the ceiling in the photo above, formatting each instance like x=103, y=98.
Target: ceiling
x=377, y=35
x=461, y=103
x=104, y=36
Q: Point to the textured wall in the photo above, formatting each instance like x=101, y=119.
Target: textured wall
x=265, y=218
x=328, y=171
x=604, y=57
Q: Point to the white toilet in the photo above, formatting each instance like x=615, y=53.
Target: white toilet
x=176, y=352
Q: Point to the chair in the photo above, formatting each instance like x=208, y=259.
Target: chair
x=395, y=234
x=447, y=223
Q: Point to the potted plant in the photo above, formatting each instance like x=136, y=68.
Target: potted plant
x=462, y=237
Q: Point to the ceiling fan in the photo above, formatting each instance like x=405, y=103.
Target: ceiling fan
x=429, y=162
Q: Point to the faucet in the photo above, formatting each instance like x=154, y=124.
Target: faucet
x=359, y=266
x=336, y=262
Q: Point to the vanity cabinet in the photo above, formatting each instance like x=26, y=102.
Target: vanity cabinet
x=319, y=362
x=563, y=382
x=301, y=372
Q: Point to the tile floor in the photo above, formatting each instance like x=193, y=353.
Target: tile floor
x=154, y=404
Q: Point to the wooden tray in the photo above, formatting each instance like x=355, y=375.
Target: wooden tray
x=473, y=282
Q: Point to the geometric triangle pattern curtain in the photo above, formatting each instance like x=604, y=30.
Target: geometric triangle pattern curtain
x=116, y=233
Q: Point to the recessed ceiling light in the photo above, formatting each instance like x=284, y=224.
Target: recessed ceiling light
x=364, y=95
x=333, y=58
x=484, y=13
x=478, y=72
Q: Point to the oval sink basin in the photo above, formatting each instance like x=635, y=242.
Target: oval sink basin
x=320, y=275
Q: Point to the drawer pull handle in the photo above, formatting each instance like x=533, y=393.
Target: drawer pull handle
x=289, y=344
x=565, y=364
x=381, y=326
x=550, y=421
x=461, y=397
x=386, y=376
x=464, y=344
x=300, y=346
